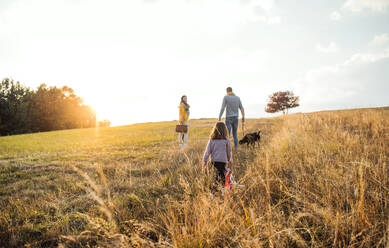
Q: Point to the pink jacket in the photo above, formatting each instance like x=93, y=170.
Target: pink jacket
x=219, y=150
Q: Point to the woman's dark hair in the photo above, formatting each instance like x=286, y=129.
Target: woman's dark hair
x=219, y=131
x=182, y=98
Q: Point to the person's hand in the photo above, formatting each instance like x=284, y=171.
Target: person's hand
x=243, y=119
x=204, y=166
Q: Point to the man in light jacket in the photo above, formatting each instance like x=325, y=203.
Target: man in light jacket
x=233, y=104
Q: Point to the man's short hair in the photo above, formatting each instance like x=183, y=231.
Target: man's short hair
x=229, y=89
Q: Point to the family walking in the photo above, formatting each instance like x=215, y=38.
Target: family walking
x=219, y=146
x=231, y=103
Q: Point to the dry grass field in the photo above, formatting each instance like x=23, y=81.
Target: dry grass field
x=317, y=180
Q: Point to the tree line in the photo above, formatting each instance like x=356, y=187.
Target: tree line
x=23, y=110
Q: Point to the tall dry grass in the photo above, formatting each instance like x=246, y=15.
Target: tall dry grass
x=318, y=180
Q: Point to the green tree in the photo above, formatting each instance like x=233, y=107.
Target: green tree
x=45, y=109
x=14, y=108
x=60, y=108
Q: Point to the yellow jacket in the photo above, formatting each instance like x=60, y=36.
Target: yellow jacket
x=183, y=116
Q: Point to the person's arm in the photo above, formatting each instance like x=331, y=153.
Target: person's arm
x=241, y=109
x=222, y=109
x=229, y=149
x=207, y=153
x=181, y=114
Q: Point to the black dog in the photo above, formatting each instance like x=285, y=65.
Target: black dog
x=251, y=138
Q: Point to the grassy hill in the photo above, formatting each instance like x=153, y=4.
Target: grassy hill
x=317, y=180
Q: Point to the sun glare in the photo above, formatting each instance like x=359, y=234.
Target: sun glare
x=109, y=108
x=101, y=106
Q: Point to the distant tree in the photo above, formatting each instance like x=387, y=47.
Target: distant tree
x=87, y=116
x=282, y=101
x=45, y=109
x=104, y=123
x=14, y=108
x=59, y=108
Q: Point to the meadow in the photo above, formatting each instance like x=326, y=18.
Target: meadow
x=317, y=180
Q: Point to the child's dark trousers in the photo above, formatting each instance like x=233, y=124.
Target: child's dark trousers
x=220, y=176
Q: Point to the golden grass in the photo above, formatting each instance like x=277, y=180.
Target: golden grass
x=318, y=180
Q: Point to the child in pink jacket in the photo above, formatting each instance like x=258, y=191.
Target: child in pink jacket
x=219, y=148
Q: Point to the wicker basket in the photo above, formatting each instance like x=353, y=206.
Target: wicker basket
x=181, y=128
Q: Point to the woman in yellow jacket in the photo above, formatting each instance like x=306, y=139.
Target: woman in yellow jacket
x=183, y=119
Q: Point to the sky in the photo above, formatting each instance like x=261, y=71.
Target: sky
x=132, y=60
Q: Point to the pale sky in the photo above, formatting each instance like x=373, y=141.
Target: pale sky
x=133, y=59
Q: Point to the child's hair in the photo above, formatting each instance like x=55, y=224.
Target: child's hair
x=219, y=131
